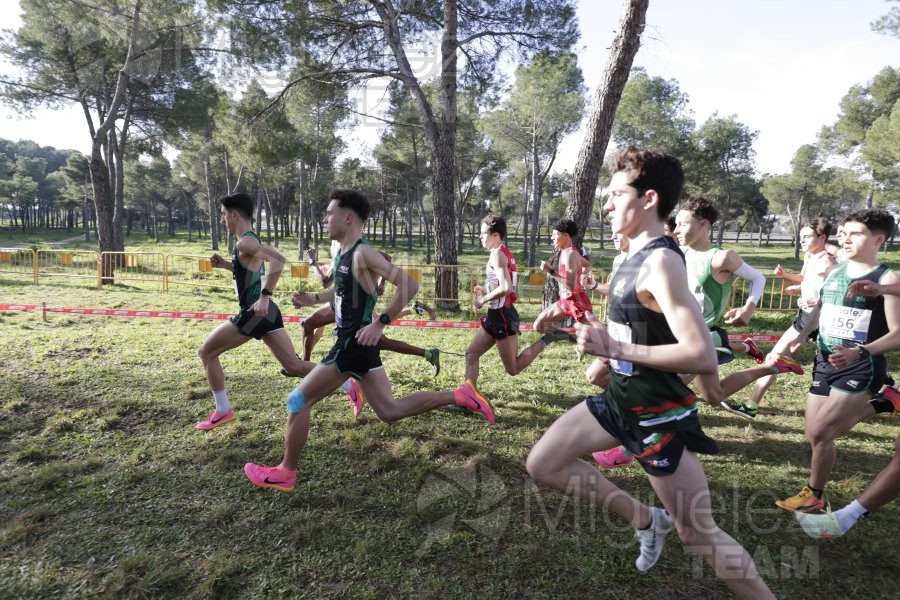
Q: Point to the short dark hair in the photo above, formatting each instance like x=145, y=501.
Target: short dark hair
x=669, y=222
x=352, y=200
x=651, y=170
x=701, y=208
x=566, y=226
x=496, y=224
x=820, y=225
x=240, y=202
x=877, y=220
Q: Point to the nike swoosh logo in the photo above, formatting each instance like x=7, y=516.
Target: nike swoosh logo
x=266, y=480
x=214, y=421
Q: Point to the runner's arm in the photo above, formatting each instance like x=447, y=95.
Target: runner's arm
x=693, y=351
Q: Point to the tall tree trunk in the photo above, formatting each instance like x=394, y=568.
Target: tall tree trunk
x=211, y=202
x=603, y=110
x=409, y=217
x=586, y=173
x=440, y=134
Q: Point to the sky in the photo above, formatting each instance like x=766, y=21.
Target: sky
x=781, y=67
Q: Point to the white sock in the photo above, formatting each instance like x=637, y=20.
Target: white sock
x=222, y=403
x=849, y=515
x=746, y=348
x=347, y=385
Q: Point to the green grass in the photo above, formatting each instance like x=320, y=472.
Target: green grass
x=106, y=489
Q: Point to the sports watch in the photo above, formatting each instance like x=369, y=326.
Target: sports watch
x=863, y=352
x=265, y=292
x=384, y=319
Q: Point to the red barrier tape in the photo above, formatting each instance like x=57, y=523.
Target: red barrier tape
x=204, y=316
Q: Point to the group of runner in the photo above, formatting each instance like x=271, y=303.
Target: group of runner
x=667, y=301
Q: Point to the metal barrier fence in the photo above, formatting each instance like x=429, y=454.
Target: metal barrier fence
x=425, y=275
x=74, y=264
x=774, y=297
x=146, y=269
x=531, y=289
x=196, y=271
x=18, y=261
x=162, y=272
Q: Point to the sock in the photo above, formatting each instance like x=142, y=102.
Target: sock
x=881, y=404
x=347, y=385
x=817, y=493
x=222, y=403
x=751, y=403
x=849, y=515
x=427, y=354
x=746, y=348
x=285, y=470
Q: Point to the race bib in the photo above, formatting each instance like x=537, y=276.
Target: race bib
x=700, y=297
x=338, y=317
x=845, y=322
x=620, y=333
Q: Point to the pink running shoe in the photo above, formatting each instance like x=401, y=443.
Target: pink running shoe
x=271, y=477
x=754, y=352
x=215, y=419
x=468, y=397
x=783, y=364
x=615, y=457
x=355, y=397
x=893, y=396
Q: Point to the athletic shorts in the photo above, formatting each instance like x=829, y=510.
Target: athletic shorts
x=349, y=357
x=576, y=305
x=867, y=375
x=501, y=322
x=800, y=322
x=255, y=326
x=659, y=453
x=720, y=341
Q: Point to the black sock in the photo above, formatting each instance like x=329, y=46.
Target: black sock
x=817, y=493
x=881, y=405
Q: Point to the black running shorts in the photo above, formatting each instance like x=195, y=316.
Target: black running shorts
x=724, y=354
x=501, y=322
x=867, y=375
x=659, y=453
x=349, y=357
x=255, y=326
x=800, y=322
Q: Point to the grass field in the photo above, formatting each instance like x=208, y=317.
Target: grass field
x=106, y=489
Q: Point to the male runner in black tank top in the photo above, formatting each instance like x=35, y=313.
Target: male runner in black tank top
x=259, y=316
x=855, y=332
x=655, y=331
x=356, y=352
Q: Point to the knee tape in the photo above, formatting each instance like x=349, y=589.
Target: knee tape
x=296, y=400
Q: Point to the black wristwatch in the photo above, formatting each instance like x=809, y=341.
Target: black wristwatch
x=863, y=352
x=266, y=292
x=384, y=319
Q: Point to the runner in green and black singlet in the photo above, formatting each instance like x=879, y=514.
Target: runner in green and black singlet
x=353, y=306
x=646, y=398
x=855, y=334
x=848, y=321
x=259, y=316
x=248, y=286
x=355, y=355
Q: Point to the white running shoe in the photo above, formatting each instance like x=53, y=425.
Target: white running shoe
x=651, y=539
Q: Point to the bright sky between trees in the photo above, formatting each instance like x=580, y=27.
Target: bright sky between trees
x=781, y=67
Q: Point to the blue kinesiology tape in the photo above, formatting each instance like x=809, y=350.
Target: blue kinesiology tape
x=296, y=401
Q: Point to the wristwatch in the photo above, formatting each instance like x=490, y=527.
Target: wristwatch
x=863, y=352
x=384, y=319
x=266, y=292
